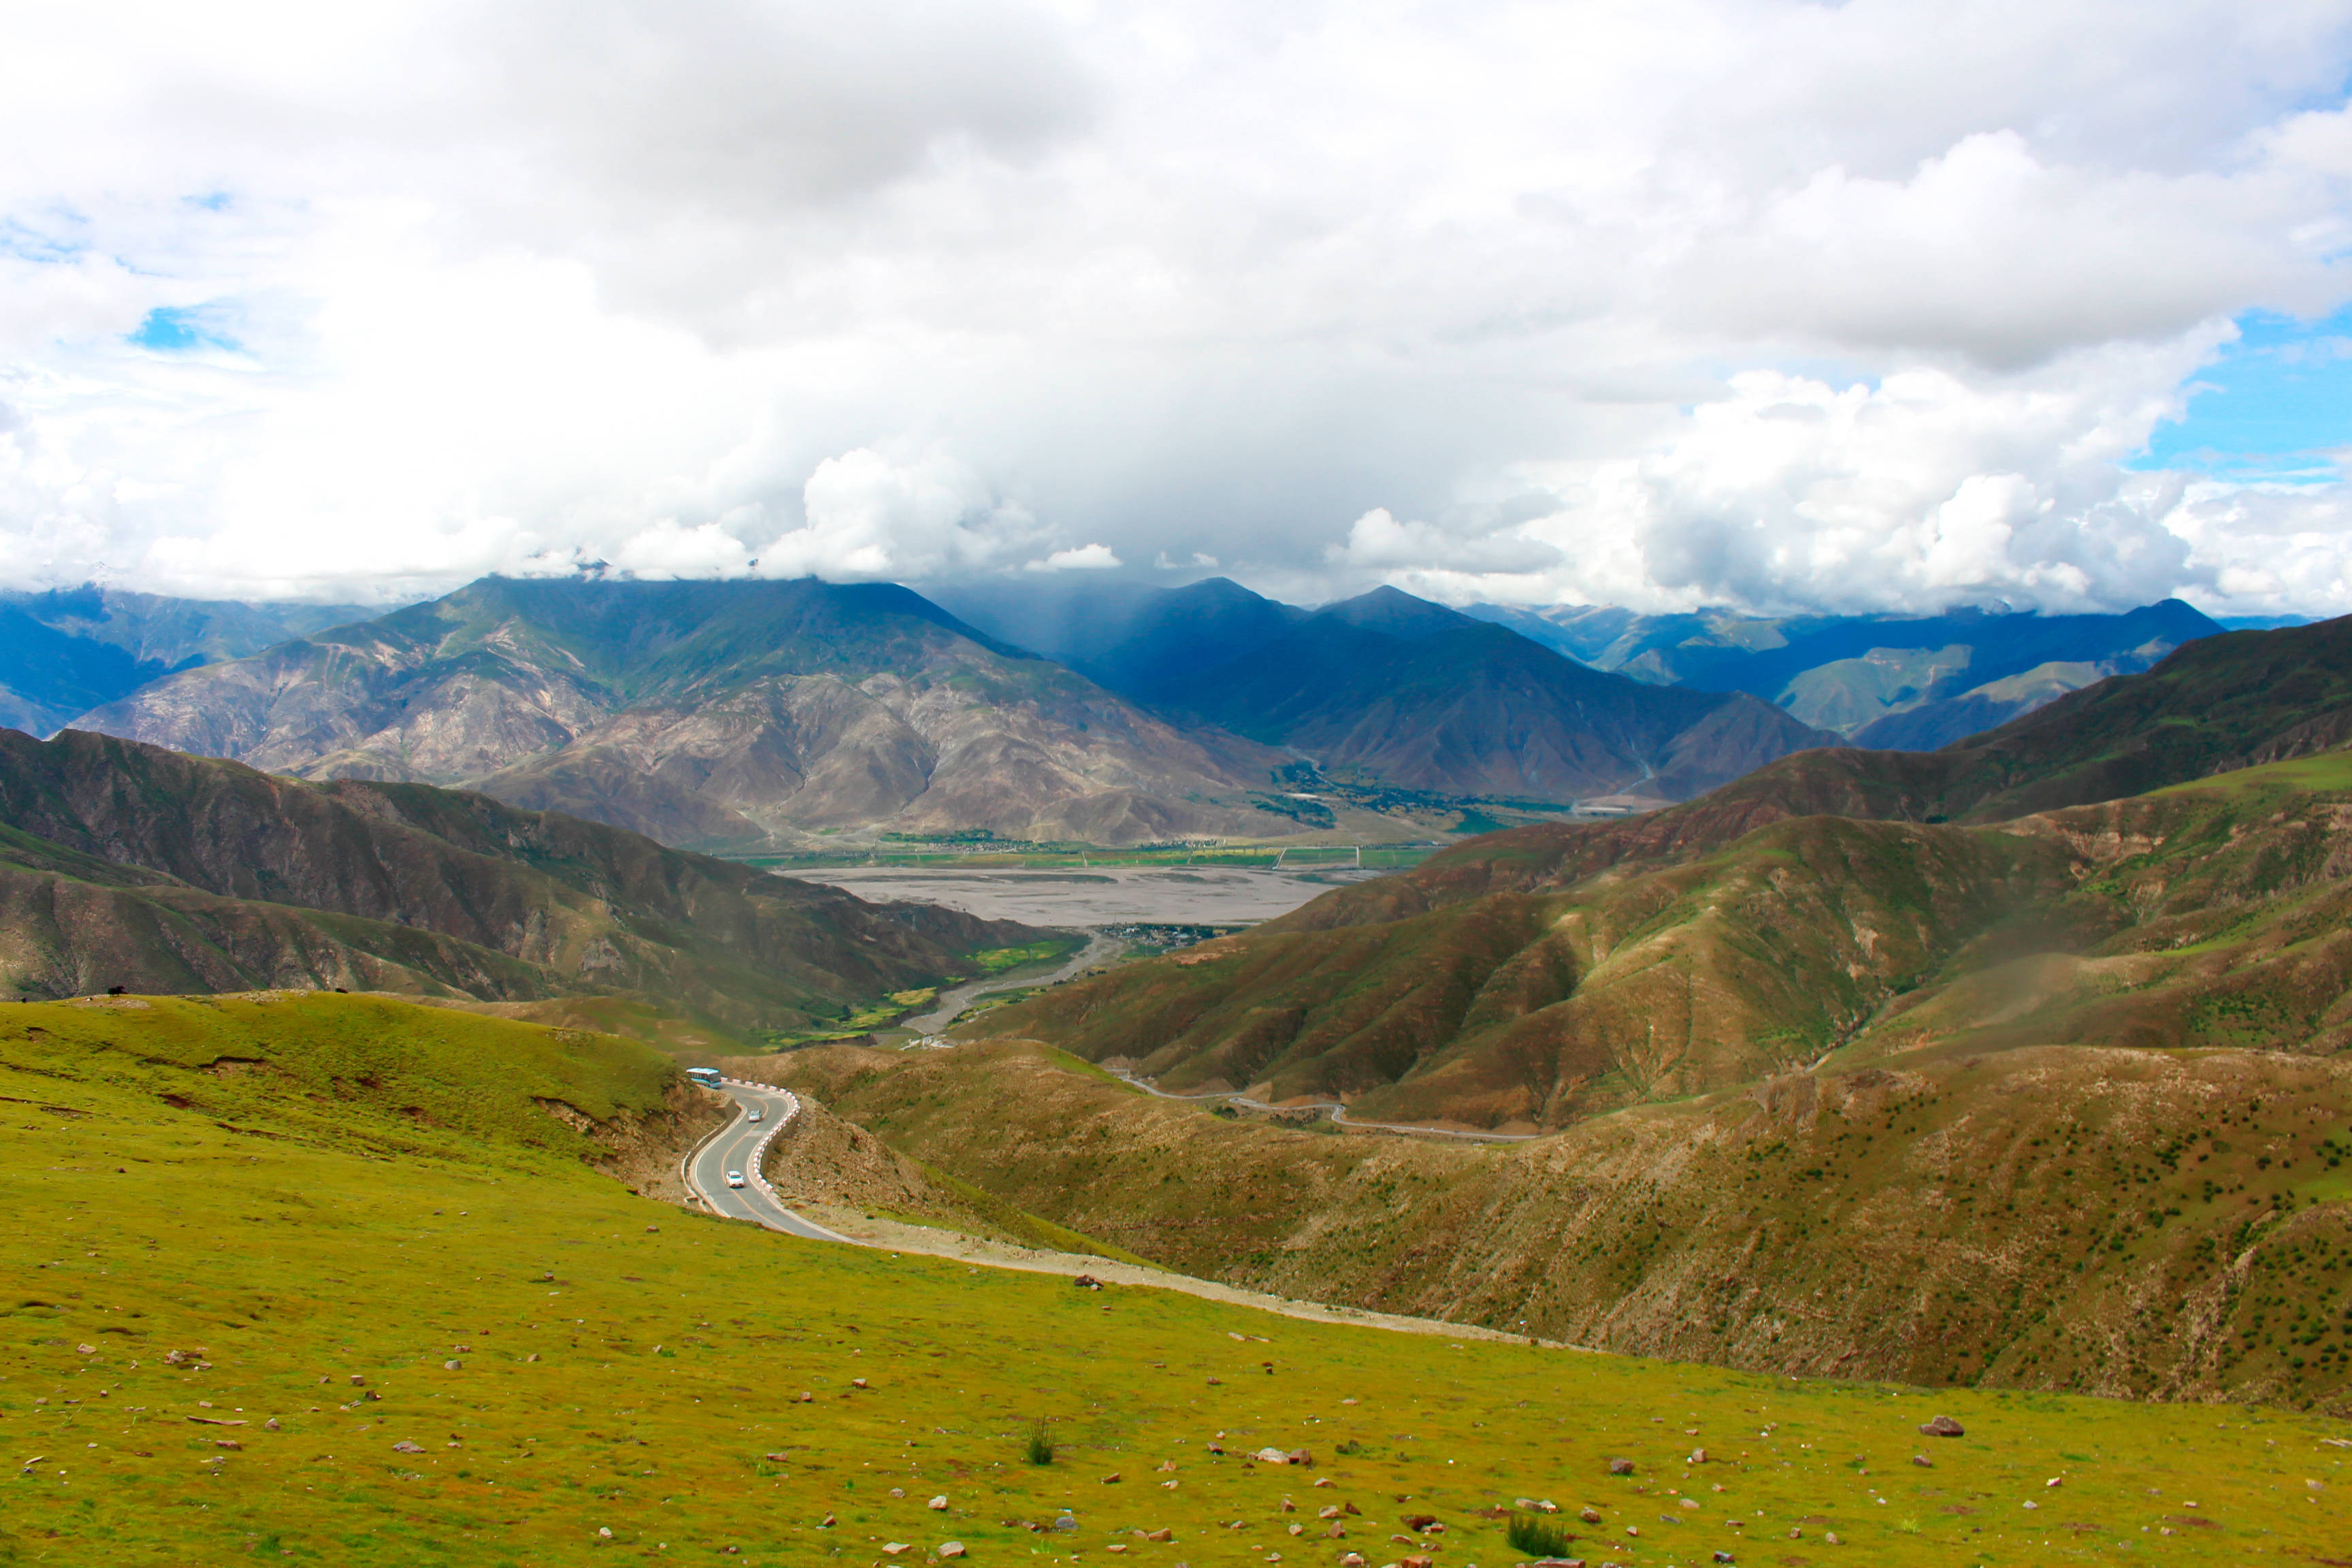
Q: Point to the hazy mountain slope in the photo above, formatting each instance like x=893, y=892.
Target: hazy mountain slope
x=158, y=628
x=47, y=676
x=1427, y=699
x=2129, y=1223
x=68, y=650
x=1130, y=637
x=420, y=883
x=1846, y=672
x=711, y=712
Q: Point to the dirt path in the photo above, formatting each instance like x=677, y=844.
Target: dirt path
x=1099, y=948
x=893, y=1237
x=1339, y=1116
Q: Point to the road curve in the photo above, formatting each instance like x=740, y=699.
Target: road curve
x=956, y=1003
x=738, y=1147
x=1339, y=1116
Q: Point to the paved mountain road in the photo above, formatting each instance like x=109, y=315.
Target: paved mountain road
x=736, y=1147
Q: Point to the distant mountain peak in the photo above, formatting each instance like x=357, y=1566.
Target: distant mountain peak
x=1397, y=614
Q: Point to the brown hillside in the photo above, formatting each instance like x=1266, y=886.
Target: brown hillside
x=2128, y=1223
x=135, y=865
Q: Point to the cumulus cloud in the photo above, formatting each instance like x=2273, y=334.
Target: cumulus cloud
x=869, y=517
x=1841, y=306
x=1085, y=558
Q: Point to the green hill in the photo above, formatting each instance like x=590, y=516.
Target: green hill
x=309, y=1283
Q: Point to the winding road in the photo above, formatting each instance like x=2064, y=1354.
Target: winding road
x=1339, y=1116
x=736, y=1147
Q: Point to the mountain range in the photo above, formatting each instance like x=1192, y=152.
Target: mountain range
x=750, y=715
x=729, y=715
x=1395, y=688
x=2028, y=884
x=1890, y=682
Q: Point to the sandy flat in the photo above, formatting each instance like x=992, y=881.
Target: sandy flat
x=1114, y=895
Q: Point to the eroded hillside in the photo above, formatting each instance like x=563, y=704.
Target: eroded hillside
x=2121, y=1222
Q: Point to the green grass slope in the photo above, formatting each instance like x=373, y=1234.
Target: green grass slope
x=448, y=1342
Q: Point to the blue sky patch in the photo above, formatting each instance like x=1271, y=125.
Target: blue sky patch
x=173, y=328
x=2271, y=406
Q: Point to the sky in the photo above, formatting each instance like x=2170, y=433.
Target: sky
x=1862, y=307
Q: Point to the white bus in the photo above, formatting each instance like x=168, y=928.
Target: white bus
x=708, y=1076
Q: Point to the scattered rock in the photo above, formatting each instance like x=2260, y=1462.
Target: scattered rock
x=1420, y=1522
x=775, y=1458
x=825, y=1523
x=1111, y=1480
x=1831, y=1539
x=1352, y=1560
x=805, y=1398
x=1066, y=1523
x=2055, y=1481
x=87, y=1349
x=1162, y=1533
x=898, y=1491
x=605, y=1531
x=1087, y=1282
x=1271, y=1456
x=1697, y=1456
x=1590, y=1515
x=1943, y=1427
x=892, y=1548
x=1216, y=1382
x=1723, y=1557
x=856, y=1383
x=227, y=1443
x=1329, y=1510
x=1621, y=1466
x=1325, y=1481
x=270, y=1424
x=938, y=1504
x=1298, y=1457
x=451, y=1365
x=1923, y=1461
x=406, y=1447
x=950, y=1548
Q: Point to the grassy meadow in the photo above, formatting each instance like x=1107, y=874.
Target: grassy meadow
x=349, y=1225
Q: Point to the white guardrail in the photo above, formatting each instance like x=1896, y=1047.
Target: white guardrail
x=759, y=1171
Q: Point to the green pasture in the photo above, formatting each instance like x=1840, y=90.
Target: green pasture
x=315, y=1280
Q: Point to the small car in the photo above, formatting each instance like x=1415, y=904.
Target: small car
x=734, y=1178
x=755, y=1115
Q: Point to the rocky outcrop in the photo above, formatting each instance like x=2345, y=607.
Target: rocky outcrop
x=644, y=1150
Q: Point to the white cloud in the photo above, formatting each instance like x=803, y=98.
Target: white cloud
x=1085, y=558
x=1836, y=305
x=869, y=517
